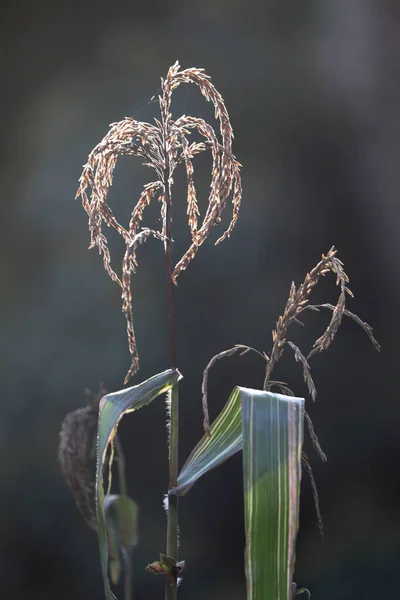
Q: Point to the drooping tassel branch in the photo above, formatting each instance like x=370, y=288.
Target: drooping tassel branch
x=162, y=147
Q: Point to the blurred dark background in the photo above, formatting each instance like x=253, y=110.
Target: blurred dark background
x=313, y=90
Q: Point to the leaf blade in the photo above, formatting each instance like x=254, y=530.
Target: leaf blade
x=224, y=441
x=272, y=426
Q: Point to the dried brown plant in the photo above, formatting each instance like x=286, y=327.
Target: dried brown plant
x=77, y=455
x=162, y=146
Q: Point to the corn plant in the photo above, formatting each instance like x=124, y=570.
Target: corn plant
x=265, y=425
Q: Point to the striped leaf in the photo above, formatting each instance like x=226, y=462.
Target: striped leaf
x=272, y=426
x=112, y=408
x=269, y=429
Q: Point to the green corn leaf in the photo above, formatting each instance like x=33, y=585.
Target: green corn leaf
x=272, y=426
x=269, y=429
x=121, y=514
x=111, y=410
x=224, y=441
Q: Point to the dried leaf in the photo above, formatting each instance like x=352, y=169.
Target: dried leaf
x=77, y=455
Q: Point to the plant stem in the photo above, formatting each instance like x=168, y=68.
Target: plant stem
x=271, y=364
x=126, y=557
x=267, y=377
x=169, y=267
x=172, y=522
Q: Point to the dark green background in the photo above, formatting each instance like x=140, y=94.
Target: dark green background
x=313, y=90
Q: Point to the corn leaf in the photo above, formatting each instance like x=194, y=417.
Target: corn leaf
x=269, y=429
x=224, y=441
x=111, y=410
x=272, y=426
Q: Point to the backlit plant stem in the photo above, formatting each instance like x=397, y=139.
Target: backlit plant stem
x=172, y=522
x=169, y=268
x=172, y=525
